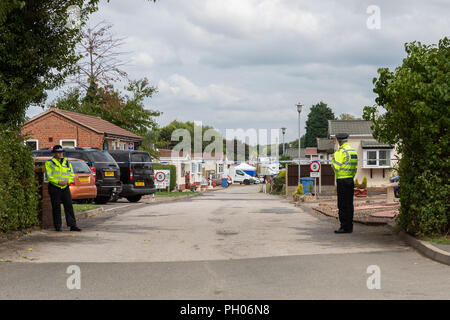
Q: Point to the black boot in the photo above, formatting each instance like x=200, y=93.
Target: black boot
x=342, y=230
x=75, y=228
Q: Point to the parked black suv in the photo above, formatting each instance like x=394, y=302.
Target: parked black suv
x=104, y=167
x=136, y=173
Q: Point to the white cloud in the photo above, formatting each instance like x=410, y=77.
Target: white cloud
x=246, y=63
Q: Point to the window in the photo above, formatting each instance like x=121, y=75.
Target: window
x=33, y=144
x=371, y=158
x=68, y=143
x=220, y=167
x=384, y=157
x=183, y=170
x=377, y=158
x=193, y=166
x=80, y=167
x=199, y=168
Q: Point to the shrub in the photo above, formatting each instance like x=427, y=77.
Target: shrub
x=299, y=189
x=18, y=187
x=356, y=183
x=416, y=117
x=277, y=184
x=282, y=174
x=364, y=183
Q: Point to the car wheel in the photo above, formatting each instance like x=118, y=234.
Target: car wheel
x=101, y=200
x=134, y=198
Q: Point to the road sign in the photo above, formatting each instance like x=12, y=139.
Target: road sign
x=162, y=179
x=314, y=174
x=314, y=166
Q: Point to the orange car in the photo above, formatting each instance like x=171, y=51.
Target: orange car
x=83, y=187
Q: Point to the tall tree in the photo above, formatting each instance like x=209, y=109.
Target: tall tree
x=37, y=51
x=317, y=123
x=101, y=58
x=126, y=111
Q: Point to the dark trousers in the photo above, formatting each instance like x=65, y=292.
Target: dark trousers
x=345, y=202
x=58, y=195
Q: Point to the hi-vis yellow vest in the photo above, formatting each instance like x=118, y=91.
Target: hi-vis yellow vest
x=57, y=171
x=345, y=162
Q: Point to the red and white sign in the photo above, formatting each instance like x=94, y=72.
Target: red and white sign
x=162, y=179
x=314, y=166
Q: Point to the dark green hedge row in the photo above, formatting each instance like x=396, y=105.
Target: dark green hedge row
x=18, y=187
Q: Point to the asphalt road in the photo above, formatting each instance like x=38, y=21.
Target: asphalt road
x=230, y=244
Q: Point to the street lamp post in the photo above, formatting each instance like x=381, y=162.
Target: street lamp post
x=283, y=130
x=299, y=110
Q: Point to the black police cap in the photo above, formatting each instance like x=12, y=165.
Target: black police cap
x=342, y=136
x=58, y=148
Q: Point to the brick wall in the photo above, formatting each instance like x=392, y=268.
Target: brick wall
x=57, y=127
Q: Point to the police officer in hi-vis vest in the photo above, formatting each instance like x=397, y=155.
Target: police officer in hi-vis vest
x=60, y=174
x=345, y=164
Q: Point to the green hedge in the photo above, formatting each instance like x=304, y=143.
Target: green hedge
x=416, y=102
x=173, y=172
x=18, y=187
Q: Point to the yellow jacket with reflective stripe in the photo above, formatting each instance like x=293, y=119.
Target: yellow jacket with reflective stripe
x=59, y=171
x=345, y=162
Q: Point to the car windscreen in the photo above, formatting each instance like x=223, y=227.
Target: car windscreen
x=80, y=167
x=121, y=157
x=42, y=153
x=140, y=157
x=100, y=156
x=75, y=154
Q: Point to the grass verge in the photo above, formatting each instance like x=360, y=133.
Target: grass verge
x=438, y=240
x=173, y=194
x=81, y=207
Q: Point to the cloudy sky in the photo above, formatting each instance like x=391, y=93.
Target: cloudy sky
x=246, y=63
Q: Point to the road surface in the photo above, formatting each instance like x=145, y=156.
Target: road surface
x=235, y=243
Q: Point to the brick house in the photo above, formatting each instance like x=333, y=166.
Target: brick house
x=71, y=129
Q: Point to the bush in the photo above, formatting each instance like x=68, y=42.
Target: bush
x=278, y=183
x=416, y=99
x=356, y=183
x=282, y=174
x=173, y=173
x=364, y=183
x=299, y=189
x=18, y=187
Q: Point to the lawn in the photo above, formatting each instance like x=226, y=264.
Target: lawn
x=81, y=207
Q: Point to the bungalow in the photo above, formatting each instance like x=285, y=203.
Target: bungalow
x=181, y=161
x=376, y=160
x=72, y=129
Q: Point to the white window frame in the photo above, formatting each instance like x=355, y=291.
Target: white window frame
x=199, y=167
x=193, y=167
x=182, y=170
x=33, y=140
x=73, y=140
x=220, y=167
x=377, y=160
